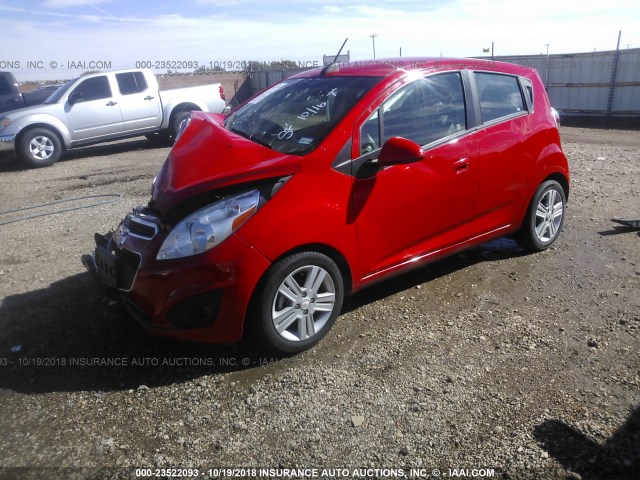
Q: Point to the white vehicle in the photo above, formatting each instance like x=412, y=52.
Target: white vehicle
x=102, y=107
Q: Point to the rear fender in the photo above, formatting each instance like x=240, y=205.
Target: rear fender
x=551, y=165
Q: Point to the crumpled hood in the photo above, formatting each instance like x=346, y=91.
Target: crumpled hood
x=207, y=156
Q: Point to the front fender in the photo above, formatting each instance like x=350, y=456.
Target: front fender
x=40, y=120
x=285, y=224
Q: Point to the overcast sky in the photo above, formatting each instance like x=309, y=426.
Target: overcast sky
x=55, y=35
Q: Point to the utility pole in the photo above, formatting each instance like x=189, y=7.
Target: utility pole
x=614, y=70
x=546, y=81
x=373, y=39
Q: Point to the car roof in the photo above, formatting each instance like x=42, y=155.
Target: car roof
x=383, y=67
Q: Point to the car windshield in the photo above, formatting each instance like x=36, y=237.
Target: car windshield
x=295, y=115
x=57, y=95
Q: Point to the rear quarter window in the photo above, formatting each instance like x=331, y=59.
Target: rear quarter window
x=527, y=87
x=500, y=95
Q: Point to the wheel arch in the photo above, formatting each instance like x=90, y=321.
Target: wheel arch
x=332, y=253
x=182, y=107
x=561, y=179
x=48, y=126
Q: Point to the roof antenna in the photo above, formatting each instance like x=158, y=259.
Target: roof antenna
x=329, y=68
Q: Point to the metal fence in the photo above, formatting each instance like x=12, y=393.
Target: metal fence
x=597, y=84
x=589, y=84
x=261, y=79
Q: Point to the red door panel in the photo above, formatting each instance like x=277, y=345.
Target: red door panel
x=507, y=156
x=404, y=211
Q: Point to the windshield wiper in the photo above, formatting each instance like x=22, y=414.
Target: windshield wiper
x=250, y=137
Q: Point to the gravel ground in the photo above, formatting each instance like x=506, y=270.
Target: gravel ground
x=493, y=359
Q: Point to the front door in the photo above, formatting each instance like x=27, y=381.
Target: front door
x=92, y=110
x=404, y=212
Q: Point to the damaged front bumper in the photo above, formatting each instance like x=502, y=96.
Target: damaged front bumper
x=113, y=270
x=201, y=298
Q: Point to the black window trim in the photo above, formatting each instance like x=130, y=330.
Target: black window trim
x=525, y=83
x=469, y=116
x=505, y=118
x=365, y=165
x=77, y=87
x=133, y=73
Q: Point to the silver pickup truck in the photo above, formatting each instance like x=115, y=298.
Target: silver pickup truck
x=102, y=107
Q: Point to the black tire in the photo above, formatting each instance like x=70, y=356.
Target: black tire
x=318, y=282
x=544, y=218
x=39, y=147
x=176, y=120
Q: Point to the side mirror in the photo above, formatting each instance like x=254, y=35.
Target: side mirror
x=399, y=150
x=75, y=97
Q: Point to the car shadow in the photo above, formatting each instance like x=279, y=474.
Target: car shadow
x=499, y=249
x=9, y=164
x=106, y=149
x=617, y=230
x=616, y=459
x=68, y=337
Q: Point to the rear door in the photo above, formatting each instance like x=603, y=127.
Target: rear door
x=403, y=212
x=507, y=147
x=140, y=102
x=10, y=97
x=92, y=110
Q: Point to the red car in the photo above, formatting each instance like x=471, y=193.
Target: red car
x=327, y=182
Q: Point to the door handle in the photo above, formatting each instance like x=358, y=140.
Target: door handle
x=111, y=104
x=149, y=97
x=13, y=100
x=461, y=165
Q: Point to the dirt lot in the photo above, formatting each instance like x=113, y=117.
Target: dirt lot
x=525, y=364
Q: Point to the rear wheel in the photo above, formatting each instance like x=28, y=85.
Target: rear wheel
x=544, y=218
x=176, y=122
x=300, y=301
x=39, y=147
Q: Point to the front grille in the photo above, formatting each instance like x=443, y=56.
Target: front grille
x=142, y=226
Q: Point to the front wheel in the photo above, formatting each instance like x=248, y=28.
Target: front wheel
x=544, y=217
x=39, y=147
x=300, y=301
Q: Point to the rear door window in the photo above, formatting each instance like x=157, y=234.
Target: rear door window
x=131, y=82
x=500, y=95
